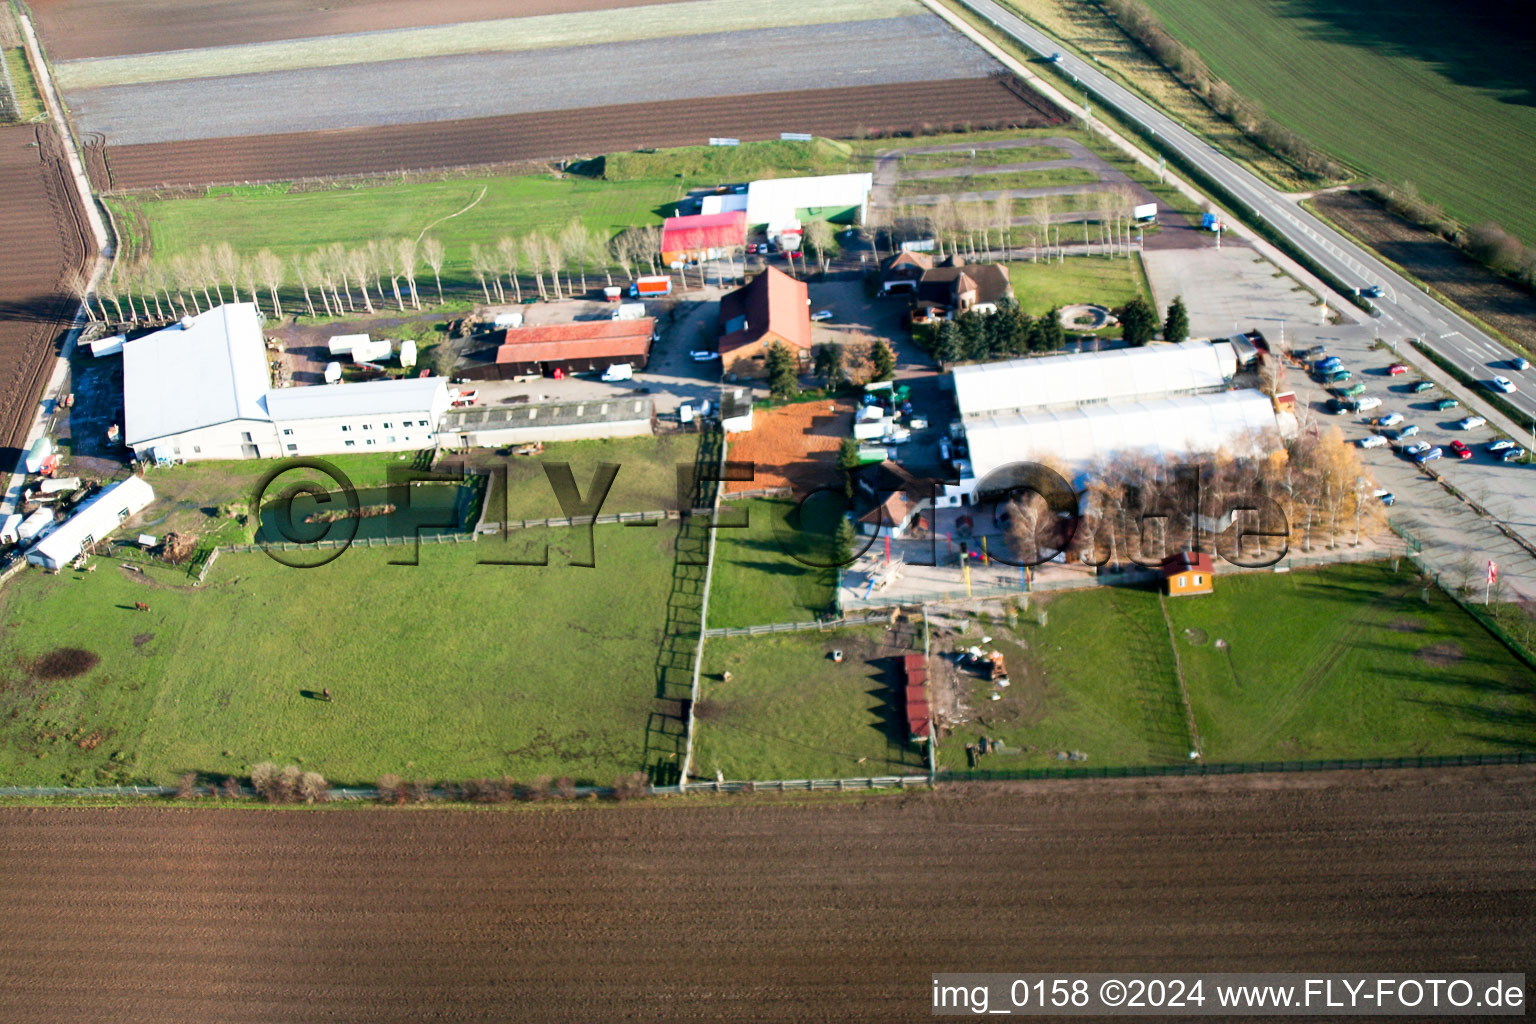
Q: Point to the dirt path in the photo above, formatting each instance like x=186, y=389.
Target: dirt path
x=736, y=910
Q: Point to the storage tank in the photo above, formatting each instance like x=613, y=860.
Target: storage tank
x=407, y=354
x=333, y=373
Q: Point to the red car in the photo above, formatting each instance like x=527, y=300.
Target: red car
x=1397, y=368
x=1460, y=450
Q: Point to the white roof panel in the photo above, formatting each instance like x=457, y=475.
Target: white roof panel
x=1187, y=425
x=370, y=398
x=1082, y=378
x=213, y=370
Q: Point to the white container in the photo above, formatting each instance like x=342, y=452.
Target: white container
x=34, y=525
x=619, y=371
x=8, y=528
x=407, y=353
x=107, y=346
x=630, y=311
x=342, y=344
x=38, y=454
x=333, y=373
x=63, y=483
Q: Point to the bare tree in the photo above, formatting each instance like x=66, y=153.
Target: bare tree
x=227, y=267
x=573, y=242
x=433, y=253
x=405, y=261
x=477, y=265
x=533, y=250
x=554, y=256
x=1002, y=216
x=818, y=235
x=622, y=247
x=298, y=271
x=357, y=264
x=394, y=276
x=1040, y=216
x=271, y=270
x=205, y=270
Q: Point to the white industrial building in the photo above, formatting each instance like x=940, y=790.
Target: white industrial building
x=198, y=390
x=1168, y=401
x=779, y=202
x=201, y=390
x=93, y=521
x=1092, y=378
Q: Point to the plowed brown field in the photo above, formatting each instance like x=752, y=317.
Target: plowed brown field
x=881, y=109
x=44, y=242
x=104, y=28
x=743, y=910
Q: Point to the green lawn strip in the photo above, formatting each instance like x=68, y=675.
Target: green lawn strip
x=758, y=579
x=1040, y=287
x=1347, y=662
x=447, y=669
x=790, y=712
x=1097, y=679
x=1046, y=178
x=646, y=480
x=29, y=102
x=979, y=157
x=1452, y=85
x=731, y=164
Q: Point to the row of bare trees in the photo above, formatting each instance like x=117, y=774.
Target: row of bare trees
x=343, y=279
x=336, y=279
x=1142, y=508
x=977, y=229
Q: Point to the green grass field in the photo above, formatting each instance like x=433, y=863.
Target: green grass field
x=1432, y=93
x=1098, y=678
x=1347, y=662
x=790, y=712
x=981, y=157
x=477, y=210
x=723, y=164
x=29, y=102
x=1041, y=287
x=757, y=579
x=646, y=480
x=447, y=669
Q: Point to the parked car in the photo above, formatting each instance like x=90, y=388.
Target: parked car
x=1429, y=456
x=1339, y=376
x=1357, y=388
x=1336, y=406
x=1397, y=368
x=1511, y=454
x=1520, y=363
x=1366, y=403
x=1503, y=385
x=703, y=355
x=1407, y=431
x=1372, y=441
x=1417, y=448
x=1421, y=386
x=1391, y=419
x=1446, y=403
x=1460, y=450
x=1503, y=444
x=1328, y=365
x=1386, y=496
x=1470, y=423
x=824, y=314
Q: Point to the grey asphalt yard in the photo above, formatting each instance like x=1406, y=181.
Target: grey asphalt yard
x=883, y=51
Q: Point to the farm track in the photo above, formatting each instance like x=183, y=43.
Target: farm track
x=46, y=241
x=553, y=135
x=72, y=29
x=753, y=909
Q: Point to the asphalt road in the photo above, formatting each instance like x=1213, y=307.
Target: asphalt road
x=1405, y=312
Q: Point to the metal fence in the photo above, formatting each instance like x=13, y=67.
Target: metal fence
x=821, y=625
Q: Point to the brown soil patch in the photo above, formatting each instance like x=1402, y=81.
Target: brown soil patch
x=1406, y=626
x=560, y=134
x=45, y=242
x=90, y=28
x=833, y=910
x=64, y=663
x=793, y=446
x=1440, y=655
x=140, y=639
x=1437, y=263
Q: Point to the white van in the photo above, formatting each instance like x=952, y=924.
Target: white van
x=619, y=371
x=1372, y=441
x=1368, y=403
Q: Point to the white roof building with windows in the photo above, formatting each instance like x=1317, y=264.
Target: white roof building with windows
x=92, y=522
x=201, y=390
x=379, y=415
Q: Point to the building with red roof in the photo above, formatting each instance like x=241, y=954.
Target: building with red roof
x=772, y=307
x=702, y=235
x=581, y=347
